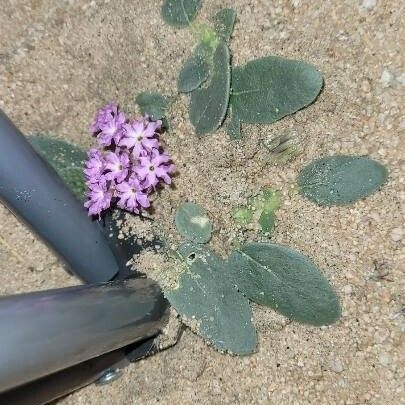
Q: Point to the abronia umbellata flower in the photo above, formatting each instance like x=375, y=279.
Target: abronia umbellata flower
x=129, y=165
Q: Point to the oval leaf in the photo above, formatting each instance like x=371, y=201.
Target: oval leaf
x=267, y=221
x=267, y=89
x=224, y=21
x=340, y=179
x=286, y=281
x=65, y=158
x=196, y=69
x=193, y=223
x=208, y=105
x=206, y=297
x=180, y=13
x=242, y=215
x=153, y=104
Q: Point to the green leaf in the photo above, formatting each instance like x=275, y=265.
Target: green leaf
x=196, y=69
x=65, y=158
x=260, y=208
x=340, y=179
x=206, y=298
x=224, y=21
x=242, y=215
x=268, y=200
x=193, y=223
x=209, y=104
x=267, y=221
x=286, y=281
x=267, y=89
x=180, y=13
x=205, y=35
x=153, y=104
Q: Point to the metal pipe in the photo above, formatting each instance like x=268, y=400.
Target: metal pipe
x=63, y=382
x=54, y=386
x=33, y=191
x=44, y=332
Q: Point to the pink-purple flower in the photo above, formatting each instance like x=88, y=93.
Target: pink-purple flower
x=108, y=125
x=104, y=115
x=140, y=135
x=99, y=197
x=132, y=195
x=117, y=166
x=94, y=166
x=154, y=168
x=129, y=165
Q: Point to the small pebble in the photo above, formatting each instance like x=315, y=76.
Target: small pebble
x=347, y=289
x=386, y=78
x=396, y=234
x=336, y=365
x=365, y=86
x=381, y=335
x=401, y=79
x=385, y=359
x=369, y=4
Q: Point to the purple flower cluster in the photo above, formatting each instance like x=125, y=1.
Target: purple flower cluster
x=129, y=164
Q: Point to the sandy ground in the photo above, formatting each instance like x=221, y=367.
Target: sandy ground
x=60, y=60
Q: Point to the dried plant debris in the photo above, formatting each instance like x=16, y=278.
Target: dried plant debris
x=282, y=149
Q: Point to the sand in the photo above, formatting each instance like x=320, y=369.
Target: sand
x=61, y=60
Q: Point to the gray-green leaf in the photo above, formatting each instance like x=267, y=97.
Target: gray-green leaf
x=224, y=21
x=193, y=223
x=267, y=89
x=65, y=158
x=196, y=69
x=267, y=221
x=208, y=105
x=285, y=280
x=207, y=299
x=180, y=13
x=153, y=104
x=340, y=179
